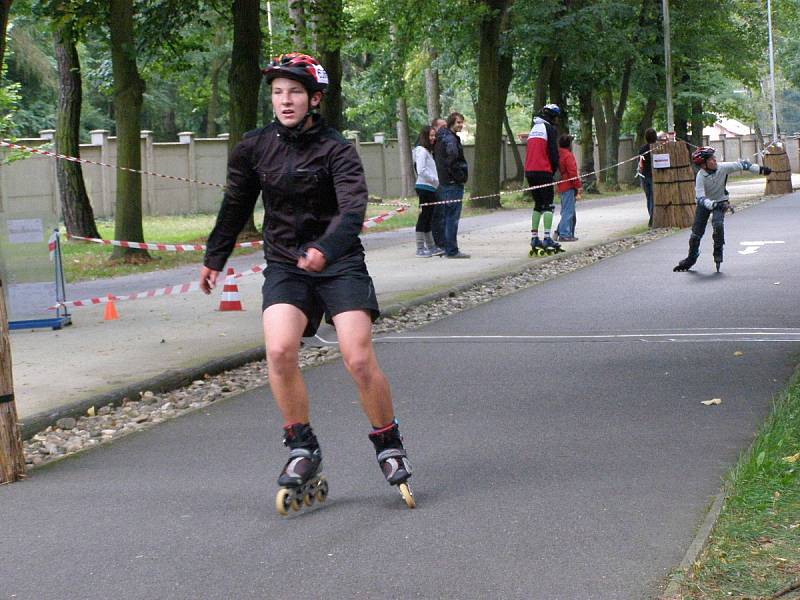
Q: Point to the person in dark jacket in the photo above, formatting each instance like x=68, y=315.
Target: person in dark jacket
x=451, y=167
x=314, y=192
x=541, y=164
x=645, y=170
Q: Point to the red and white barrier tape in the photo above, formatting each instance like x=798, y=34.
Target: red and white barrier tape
x=159, y=246
x=100, y=164
x=371, y=222
x=171, y=290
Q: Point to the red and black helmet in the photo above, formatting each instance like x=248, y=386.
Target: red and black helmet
x=702, y=154
x=300, y=67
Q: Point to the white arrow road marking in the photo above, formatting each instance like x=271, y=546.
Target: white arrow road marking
x=752, y=247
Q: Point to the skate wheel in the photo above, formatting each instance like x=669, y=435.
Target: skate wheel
x=322, y=490
x=308, y=498
x=283, y=501
x=407, y=494
x=531, y=253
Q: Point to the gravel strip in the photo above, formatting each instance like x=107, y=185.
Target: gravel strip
x=110, y=422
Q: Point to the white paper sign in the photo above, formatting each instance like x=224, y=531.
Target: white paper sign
x=25, y=231
x=660, y=161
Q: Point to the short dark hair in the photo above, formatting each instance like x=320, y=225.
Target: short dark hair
x=565, y=140
x=451, y=119
x=423, y=139
x=650, y=135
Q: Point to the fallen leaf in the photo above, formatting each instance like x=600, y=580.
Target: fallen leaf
x=793, y=458
x=90, y=412
x=711, y=402
x=738, y=353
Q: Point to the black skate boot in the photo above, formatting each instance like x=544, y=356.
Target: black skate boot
x=300, y=479
x=550, y=246
x=686, y=264
x=719, y=243
x=393, y=460
x=537, y=249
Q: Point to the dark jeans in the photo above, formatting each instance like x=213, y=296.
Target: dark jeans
x=451, y=213
x=425, y=217
x=701, y=215
x=647, y=186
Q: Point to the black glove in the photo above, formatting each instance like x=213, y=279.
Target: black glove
x=764, y=170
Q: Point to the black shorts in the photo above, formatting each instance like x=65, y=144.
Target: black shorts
x=347, y=287
x=542, y=197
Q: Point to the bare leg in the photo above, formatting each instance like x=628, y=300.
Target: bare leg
x=354, y=329
x=283, y=328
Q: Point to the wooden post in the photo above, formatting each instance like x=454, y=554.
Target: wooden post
x=12, y=460
x=673, y=186
x=780, y=180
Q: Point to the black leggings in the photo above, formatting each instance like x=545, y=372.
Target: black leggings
x=425, y=210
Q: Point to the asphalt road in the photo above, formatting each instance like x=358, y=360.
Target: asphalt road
x=573, y=465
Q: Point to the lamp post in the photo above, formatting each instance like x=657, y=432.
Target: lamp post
x=772, y=74
x=668, y=66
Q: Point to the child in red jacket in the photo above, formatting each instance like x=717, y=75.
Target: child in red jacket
x=569, y=189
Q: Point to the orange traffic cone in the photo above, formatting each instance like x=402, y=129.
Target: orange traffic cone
x=110, y=313
x=230, y=299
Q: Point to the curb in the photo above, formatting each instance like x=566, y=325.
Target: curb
x=672, y=591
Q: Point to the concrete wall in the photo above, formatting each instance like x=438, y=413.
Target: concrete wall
x=33, y=180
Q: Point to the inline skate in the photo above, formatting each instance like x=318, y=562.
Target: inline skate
x=550, y=246
x=393, y=460
x=301, y=481
x=537, y=248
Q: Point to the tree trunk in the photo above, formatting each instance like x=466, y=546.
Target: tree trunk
x=697, y=123
x=75, y=207
x=5, y=8
x=557, y=94
x=404, y=146
x=612, y=140
x=646, y=121
x=432, y=89
x=602, y=136
x=244, y=79
x=587, y=142
x=328, y=27
x=494, y=77
x=542, y=84
x=681, y=128
x=297, y=15
x=514, y=150
x=128, y=97
x=12, y=459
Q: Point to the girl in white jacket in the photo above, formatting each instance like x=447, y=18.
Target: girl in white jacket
x=427, y=182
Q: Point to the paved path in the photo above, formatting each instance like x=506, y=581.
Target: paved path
x=575, y=466
x=165, y=336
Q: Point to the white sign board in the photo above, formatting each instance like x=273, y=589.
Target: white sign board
x=661, y=161
x=25, y=231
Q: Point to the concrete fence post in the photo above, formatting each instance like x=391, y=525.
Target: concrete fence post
x=187, y=137
x=148, y=164
x=99, y=137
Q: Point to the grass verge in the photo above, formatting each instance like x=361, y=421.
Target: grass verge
x=85, y=261
x=754, y=548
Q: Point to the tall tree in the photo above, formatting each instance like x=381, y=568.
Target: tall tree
x=5, y=9
x=128, y=100
x=329, y=31
x=75, y=206
x=244, y=77
x=433, y=101
x=494, y=77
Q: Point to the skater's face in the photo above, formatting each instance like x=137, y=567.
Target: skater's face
x=291, y=102
x=711, y=163
x=432, y=136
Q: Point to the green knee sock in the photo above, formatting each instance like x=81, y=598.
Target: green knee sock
x=535, y=218
x=548, y=222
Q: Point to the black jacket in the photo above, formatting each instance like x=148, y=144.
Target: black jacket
x=451, y=166
x=313, y=189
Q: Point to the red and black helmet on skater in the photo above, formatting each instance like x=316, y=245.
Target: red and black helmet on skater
x=300, y=67
x=702, y=154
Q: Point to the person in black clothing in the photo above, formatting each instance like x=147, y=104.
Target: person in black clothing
x=645, y=170
x=313, y=187
x=451, y=167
